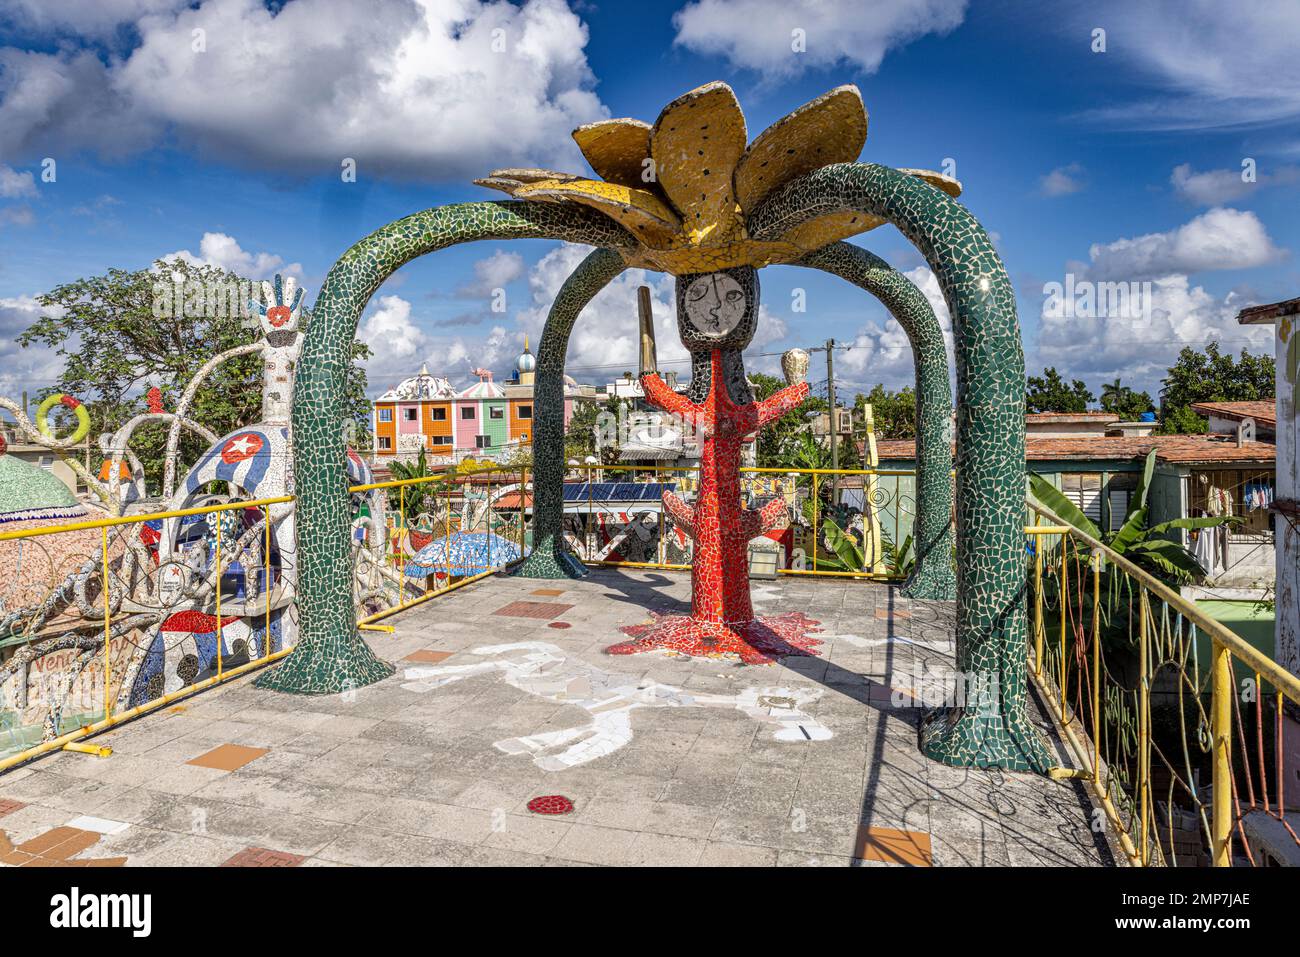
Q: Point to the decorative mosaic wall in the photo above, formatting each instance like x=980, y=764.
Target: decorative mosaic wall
x=934, y=577
x=991, y=565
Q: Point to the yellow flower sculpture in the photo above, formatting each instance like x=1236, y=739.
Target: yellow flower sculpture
x=685, y=186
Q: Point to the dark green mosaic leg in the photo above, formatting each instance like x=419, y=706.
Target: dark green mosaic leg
x=934, y=576
x=550, y=558
x=331, y=655
x=993, y=731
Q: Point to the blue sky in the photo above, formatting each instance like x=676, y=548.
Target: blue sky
x=1117, y=165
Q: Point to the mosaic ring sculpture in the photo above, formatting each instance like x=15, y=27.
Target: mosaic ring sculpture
x=991, y=731
x=933, y=576
x=68, y=402
x=331, y=656
x=990, y=728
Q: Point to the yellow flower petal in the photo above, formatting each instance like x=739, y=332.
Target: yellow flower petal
x=696, y=143
x=617, y=150
x=830, y=228
x=829, y=129
x=509, y=180
x=645, y=215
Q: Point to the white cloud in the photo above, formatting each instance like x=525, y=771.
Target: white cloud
x=223, y=251
x=882, y=352
x=432, y=90
x=605, y=342
x=759, y=34
x=30, y=369
x=86, y=19
x=1140, y=350
x=1219, y=238
x=1208, y=66
x=493, y=273
x=16, y=215
x=15, y=185
x=1218, y=186
x=1062, y=181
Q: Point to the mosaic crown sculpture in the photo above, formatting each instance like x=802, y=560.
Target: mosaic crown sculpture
x=685, y=187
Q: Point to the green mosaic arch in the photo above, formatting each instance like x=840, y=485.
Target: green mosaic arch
x=550, y=558
x=989, y=727
x=933, y=576
x=331, y=656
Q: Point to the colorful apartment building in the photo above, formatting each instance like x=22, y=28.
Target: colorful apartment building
x=484, y=420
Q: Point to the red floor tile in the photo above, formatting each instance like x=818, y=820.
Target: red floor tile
x=533, y=609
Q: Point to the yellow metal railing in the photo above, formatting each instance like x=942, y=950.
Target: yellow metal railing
x=1150, y=694
x=887, y=509
x=448, y=482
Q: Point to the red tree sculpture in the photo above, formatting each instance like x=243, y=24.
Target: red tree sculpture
x=722, y=616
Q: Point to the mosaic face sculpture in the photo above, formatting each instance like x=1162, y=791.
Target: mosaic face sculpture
x=716, y=316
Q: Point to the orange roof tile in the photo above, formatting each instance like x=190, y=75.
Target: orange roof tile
x=1182, y=449
x=1264, y=412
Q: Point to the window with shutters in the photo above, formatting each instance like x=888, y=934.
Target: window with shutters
x=1083, y=489
x=1119, y=496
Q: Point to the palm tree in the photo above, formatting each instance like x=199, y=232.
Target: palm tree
x=1112, y=395
x=416, y=498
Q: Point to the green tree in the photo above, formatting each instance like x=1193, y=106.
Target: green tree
x=119, y=333
x=773, y=439
x=1211, y=376
x=580, y=436
x=894, y=413
x=1125, y=403
x=417, y=498
x=1049, y=393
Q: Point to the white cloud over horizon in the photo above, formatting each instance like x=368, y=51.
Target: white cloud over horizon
x=1207, y=67
x=759, y=34
x=1220, y=238
x=423, y=90
x=223, y=251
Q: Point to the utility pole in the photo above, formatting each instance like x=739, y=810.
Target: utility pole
x=830, y=395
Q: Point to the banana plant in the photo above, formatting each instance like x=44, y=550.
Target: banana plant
x=1137, y=540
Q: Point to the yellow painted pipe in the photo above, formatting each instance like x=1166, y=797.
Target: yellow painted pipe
x=97, y=750
x=1221, y=729
x=103, y=725
x=368, y=627
x=133, y=519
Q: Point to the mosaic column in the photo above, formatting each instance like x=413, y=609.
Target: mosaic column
x=933, y=576
x=987, y=725
x=331, y=656
x=550, y=558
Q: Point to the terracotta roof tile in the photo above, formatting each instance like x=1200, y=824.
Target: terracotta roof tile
x=1183, y=449
x=1264, y=412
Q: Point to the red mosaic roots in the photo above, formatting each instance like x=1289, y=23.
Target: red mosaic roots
x=550, y=804
x=757, y=642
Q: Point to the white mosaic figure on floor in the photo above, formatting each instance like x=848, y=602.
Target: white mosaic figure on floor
x=542, y=669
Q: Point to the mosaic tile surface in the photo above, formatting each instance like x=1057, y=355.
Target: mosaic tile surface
x=934, y=576
x=331, y=655
x=991, y=565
